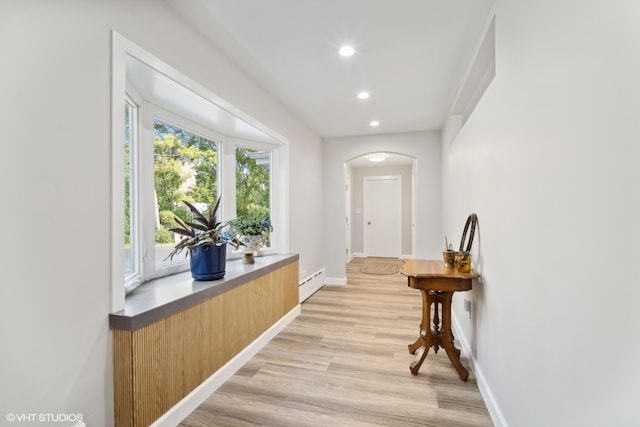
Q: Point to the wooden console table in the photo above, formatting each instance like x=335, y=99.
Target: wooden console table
x=437, y=285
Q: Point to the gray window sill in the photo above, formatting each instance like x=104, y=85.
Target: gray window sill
x=160, y=298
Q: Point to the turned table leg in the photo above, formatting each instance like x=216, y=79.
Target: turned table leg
x=447, y=337
x=425, y=324
x=433, y=334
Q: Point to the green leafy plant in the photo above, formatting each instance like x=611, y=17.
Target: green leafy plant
x=251, y=226
x=163, y=235
x=202, y=230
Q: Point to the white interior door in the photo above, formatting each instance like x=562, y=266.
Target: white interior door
x=382, y=205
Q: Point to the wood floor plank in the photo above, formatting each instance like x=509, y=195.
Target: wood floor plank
x=344, y=362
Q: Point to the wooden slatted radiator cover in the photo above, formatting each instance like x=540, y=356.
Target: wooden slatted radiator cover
x=163, y=352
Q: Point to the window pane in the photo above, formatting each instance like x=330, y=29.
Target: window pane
x=185, y=169
x=129, y=243
x=253, y=185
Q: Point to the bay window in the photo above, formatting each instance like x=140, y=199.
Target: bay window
x=182, y=142
x=177, y=160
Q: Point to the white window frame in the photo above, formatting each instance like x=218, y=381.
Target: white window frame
x=273, y=172
x=151, y=114
x=134, y=279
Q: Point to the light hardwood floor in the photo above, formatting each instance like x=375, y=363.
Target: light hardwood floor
x=344, y=362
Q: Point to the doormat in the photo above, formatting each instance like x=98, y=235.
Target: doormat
x=381, y=267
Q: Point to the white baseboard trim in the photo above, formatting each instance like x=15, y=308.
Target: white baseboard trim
x=362, y=255
x=310, y=285
x=487, y=395
x=335, y=281
x=191, y=401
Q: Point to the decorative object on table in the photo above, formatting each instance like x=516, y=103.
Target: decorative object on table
x=206, y=240
x=448, y=254
x=251, y=230
x=463, y=256
x=462, y=261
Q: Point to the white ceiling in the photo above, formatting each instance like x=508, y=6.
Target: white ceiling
x=411, y=55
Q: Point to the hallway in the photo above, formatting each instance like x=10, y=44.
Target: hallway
x=344, y=361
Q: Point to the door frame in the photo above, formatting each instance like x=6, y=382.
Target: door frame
x=347, y=201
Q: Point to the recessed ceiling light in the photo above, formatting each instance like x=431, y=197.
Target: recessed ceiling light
x=377, y=157
x=363, y=95
x=346, y=50
x=374, y=123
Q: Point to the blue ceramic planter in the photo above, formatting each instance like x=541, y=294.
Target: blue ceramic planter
x=208, y=262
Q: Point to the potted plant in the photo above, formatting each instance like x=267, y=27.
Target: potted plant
x=251, y=229
x=206, y=240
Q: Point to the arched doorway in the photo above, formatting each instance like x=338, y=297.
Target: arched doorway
x=395, y=172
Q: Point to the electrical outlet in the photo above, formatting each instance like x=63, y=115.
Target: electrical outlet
x=467, y=305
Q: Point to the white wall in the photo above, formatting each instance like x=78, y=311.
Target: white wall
x=424, y=146
x=549, y=162
x=55, y=109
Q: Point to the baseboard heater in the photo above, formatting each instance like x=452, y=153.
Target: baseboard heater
x=311, y=284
